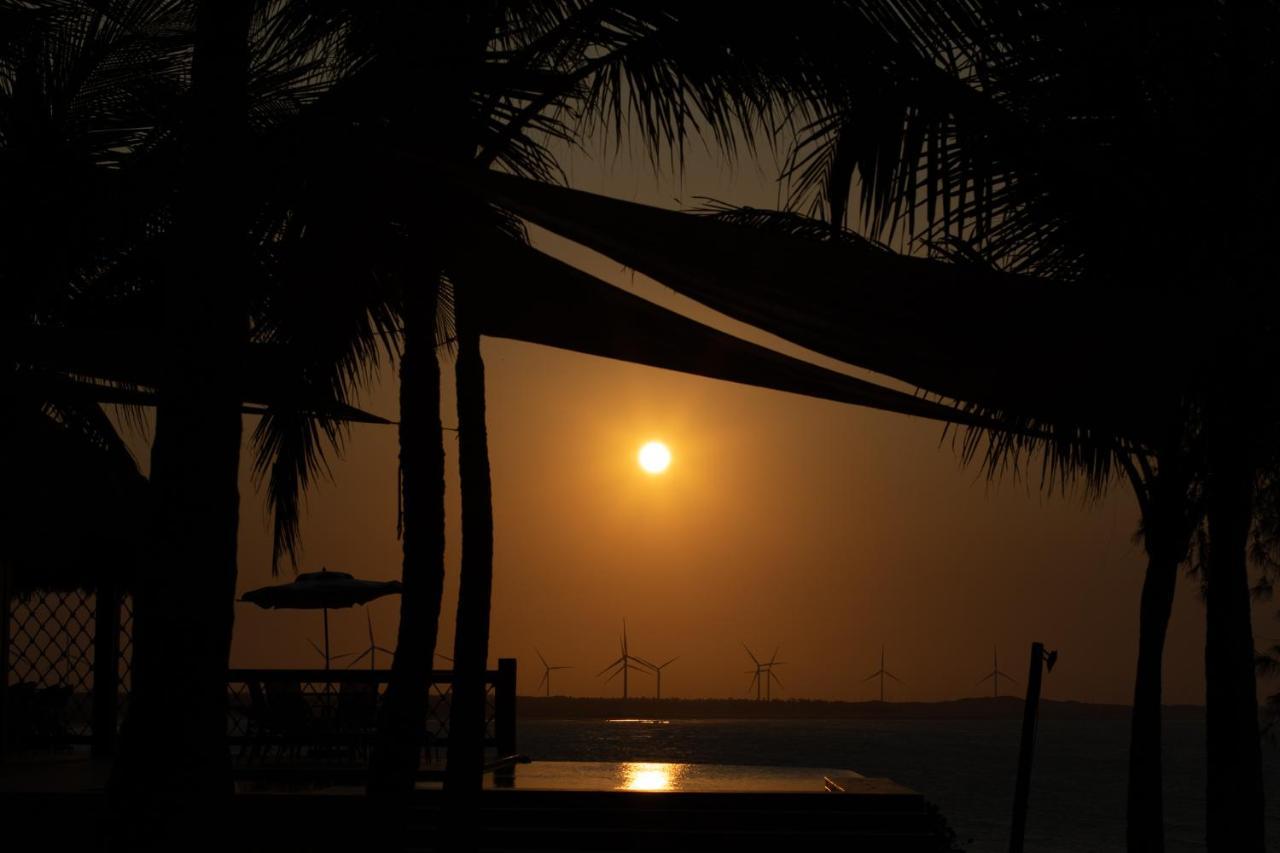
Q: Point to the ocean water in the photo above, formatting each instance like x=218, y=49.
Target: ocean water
x=966, y=768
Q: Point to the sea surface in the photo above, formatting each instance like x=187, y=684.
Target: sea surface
x=966, y=768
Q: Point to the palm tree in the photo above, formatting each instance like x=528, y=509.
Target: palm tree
x=732, y=272
x=998, y=129
x=91, y=130
x=492, y=86
x=77, y=86
x=179, y=697
x=997, y=152
x=258, y=228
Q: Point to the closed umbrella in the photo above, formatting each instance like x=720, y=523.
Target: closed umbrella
x=320, y=591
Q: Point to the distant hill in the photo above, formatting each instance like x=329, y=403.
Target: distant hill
x=989, y=708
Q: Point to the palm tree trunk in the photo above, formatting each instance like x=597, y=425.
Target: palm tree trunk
x=1146, y=774
x=471, y=639
x=1170, y=515
x=1234, y=796
x=402, y=726
x=174, y=740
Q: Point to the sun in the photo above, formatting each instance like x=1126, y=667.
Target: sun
x=654, y=457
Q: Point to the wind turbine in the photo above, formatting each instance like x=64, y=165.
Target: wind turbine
x=995, y=674
x=771, y=675
x=762, y=677
x=372, y=651
x=657, y=670
x=546, y=670
x=625, y=664
x=328, y=658
x=881, y=673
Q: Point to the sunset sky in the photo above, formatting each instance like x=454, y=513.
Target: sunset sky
x=824, y=528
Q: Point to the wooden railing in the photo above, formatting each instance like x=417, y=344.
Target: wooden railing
x=300, y=722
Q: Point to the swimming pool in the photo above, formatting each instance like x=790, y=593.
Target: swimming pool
x=668, y=776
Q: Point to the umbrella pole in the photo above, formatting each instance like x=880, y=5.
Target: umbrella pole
x=326, y=639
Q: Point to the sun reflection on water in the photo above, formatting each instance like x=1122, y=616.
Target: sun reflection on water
x=644, y=776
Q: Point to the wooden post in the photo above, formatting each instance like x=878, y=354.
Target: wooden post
x=1027, y=747
x=106, y=668
x=504, y=712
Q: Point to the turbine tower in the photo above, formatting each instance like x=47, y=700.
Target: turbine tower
x=624, y=665
x=995, y=675
x=881, y=673
x=657, y=669
x=546, y=670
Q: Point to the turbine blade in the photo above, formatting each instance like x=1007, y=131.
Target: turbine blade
x=545, y=675
x=987, y=676
x=775, y=678
x=754, y=659
x=609, y=667
x=359, y=658
x=776, y=649
x=872, y=675
x=540, y=657
x=668, y=663
x=319, y=650
x=1010, y=677
x=895, y=678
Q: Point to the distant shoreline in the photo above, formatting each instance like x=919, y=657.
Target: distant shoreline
x=1002, y=708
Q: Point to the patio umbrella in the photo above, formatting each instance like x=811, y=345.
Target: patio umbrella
x=320, y=591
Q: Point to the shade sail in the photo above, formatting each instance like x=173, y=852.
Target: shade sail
x=1077, y=353
x=532, y=297
x=124, y=368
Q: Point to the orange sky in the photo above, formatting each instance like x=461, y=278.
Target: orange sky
x=782, y=520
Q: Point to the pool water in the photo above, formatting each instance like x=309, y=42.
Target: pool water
x=669, y=776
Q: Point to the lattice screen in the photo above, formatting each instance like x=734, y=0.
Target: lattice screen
x=50, y=668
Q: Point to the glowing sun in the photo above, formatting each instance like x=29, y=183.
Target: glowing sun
x=654, y=457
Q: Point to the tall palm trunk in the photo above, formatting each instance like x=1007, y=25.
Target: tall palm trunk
x=429, y=38
x=1146, y=773
x=471, y=638
x=1169, y=517
x=1235, y=818
x=174, y=741
x=402, y=728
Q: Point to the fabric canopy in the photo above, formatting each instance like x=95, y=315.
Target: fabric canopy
x=1062, y=353
x=60, y=359
x=532, y=297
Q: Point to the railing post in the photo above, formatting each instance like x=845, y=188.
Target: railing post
x=504, y=707
x=106, y=667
